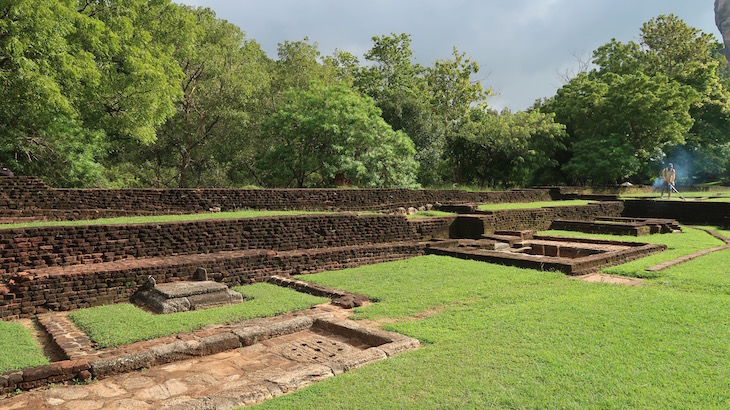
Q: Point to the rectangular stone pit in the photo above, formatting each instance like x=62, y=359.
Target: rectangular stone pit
x=571, y=256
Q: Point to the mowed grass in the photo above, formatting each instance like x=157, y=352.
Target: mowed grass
x=503, y=337
x=533, y=205
x=430, y=214
x=17, y=348
x=124, y=323
x=690, y=241
x=722, y=192
x=127, y=220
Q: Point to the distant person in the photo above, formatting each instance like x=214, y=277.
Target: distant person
x=668, y=175
x=4, y=172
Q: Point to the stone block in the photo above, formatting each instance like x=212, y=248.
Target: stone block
x=121, y=364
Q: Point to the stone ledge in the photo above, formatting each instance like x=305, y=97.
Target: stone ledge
x=249, y=335
x=41, y=375
x=339, y=298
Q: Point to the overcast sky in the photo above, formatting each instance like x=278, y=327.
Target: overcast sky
x=520, y=45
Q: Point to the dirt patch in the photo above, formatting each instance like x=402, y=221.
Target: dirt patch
x=43, y=340
x=612, y=279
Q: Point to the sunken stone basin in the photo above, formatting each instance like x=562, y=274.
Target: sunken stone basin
x=183, y=296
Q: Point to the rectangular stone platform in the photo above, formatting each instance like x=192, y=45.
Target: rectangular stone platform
x=619, y=226
x=184, y=296
x=568, y=255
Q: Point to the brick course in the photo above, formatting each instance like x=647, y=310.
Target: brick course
x=33, y=248
x=29, y=196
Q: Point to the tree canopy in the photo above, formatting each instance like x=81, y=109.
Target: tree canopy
x=644, y=103
x=139, y=93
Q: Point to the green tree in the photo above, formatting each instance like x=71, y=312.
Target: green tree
x=324, y=131
x=602, y=160
x=660, y=96
x=138, y=75
x=223, y=76
x=41, y=68
x=508, y=149
x=453, y=95
x=399, y=88
x=76, y=78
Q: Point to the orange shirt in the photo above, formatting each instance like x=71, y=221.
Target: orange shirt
x=668, y=175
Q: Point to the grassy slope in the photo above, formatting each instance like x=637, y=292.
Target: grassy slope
x=532, y=205
x=513, y=338
x=115, y=325
x=17, y=348
x=126, y=220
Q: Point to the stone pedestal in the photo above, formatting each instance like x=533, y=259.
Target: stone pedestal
x=184, y=296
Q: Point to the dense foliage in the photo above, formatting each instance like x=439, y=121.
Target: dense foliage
x=663, y=99
x=138, y=93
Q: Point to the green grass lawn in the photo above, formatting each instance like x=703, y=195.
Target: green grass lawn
x=124, y=323
x=17, y=348
x=723, y=192
x=430, y=214
x=126, y=220
x=533, y=205
x=691, y=240
x=503, y=337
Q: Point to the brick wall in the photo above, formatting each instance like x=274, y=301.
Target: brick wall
x=690, y=212
x=473, y=226
x=27, y=193
x=427, y=228
x=80, y=286
x=32, y=248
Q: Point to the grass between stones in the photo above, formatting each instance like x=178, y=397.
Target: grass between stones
x=126, y=220
x=503, y=337
x=533, y=205
x=17, y=348
x=124, y=323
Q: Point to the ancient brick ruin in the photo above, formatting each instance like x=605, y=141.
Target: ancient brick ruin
x=61, y=268
x=66, y=268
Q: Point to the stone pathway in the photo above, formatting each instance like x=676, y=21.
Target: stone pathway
x=232, y=378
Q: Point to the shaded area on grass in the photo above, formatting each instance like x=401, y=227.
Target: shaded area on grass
x=513, y=338
x=18, y=349
x=126, y=220
x=533, y=205
x=124, y=323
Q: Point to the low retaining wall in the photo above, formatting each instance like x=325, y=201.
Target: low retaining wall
x=74, y=287
x=473, y=226
x=690, y=212
x=427, y=228
x=29, y=193
x=33, y=248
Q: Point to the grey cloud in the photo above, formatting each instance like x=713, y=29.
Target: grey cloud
x=519, y=44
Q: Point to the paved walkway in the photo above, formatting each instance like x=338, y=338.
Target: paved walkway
x=225, y=380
